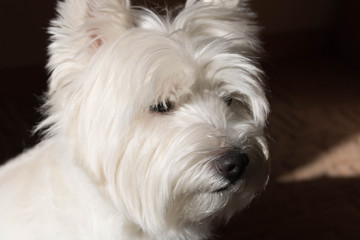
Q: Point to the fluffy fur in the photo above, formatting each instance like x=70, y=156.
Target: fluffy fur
x=112, y=167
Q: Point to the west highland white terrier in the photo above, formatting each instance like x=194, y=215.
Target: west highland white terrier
x=154, y=125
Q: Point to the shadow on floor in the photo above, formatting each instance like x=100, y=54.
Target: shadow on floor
x=327, y=208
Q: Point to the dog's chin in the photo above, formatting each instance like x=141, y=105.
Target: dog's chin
x=217, y=206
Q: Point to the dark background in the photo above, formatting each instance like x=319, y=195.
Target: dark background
x=312, y=66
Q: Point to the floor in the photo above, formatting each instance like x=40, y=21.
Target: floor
x=314, y=133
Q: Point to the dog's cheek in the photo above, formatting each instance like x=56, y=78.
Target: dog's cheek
x=141, y=174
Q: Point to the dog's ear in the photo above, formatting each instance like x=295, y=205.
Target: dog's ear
x=232, y=20
x=224, y=3
x=97, y=19
x=80, y=29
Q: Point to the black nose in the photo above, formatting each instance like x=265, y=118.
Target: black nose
x=232, y=164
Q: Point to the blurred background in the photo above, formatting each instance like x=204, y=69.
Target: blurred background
x=313, y=72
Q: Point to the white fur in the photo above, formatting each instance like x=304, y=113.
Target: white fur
x=109, y=167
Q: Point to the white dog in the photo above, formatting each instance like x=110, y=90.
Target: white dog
x=153, y=129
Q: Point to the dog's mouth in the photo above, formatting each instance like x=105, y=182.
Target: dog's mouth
x=231, y=187
x=223, y=189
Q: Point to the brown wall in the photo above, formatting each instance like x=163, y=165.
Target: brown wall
x=23, y=31
x=291, y=28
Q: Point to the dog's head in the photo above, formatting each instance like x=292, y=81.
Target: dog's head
x=165, y=112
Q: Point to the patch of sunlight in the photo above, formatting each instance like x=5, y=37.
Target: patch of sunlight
x=343, y=160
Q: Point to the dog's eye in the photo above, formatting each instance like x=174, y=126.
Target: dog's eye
x=162, y=107
x=228, y=100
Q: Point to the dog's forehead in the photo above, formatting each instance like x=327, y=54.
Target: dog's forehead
x=167, y=64
x=169, y=60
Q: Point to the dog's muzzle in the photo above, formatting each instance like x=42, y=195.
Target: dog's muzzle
x=232, y=164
